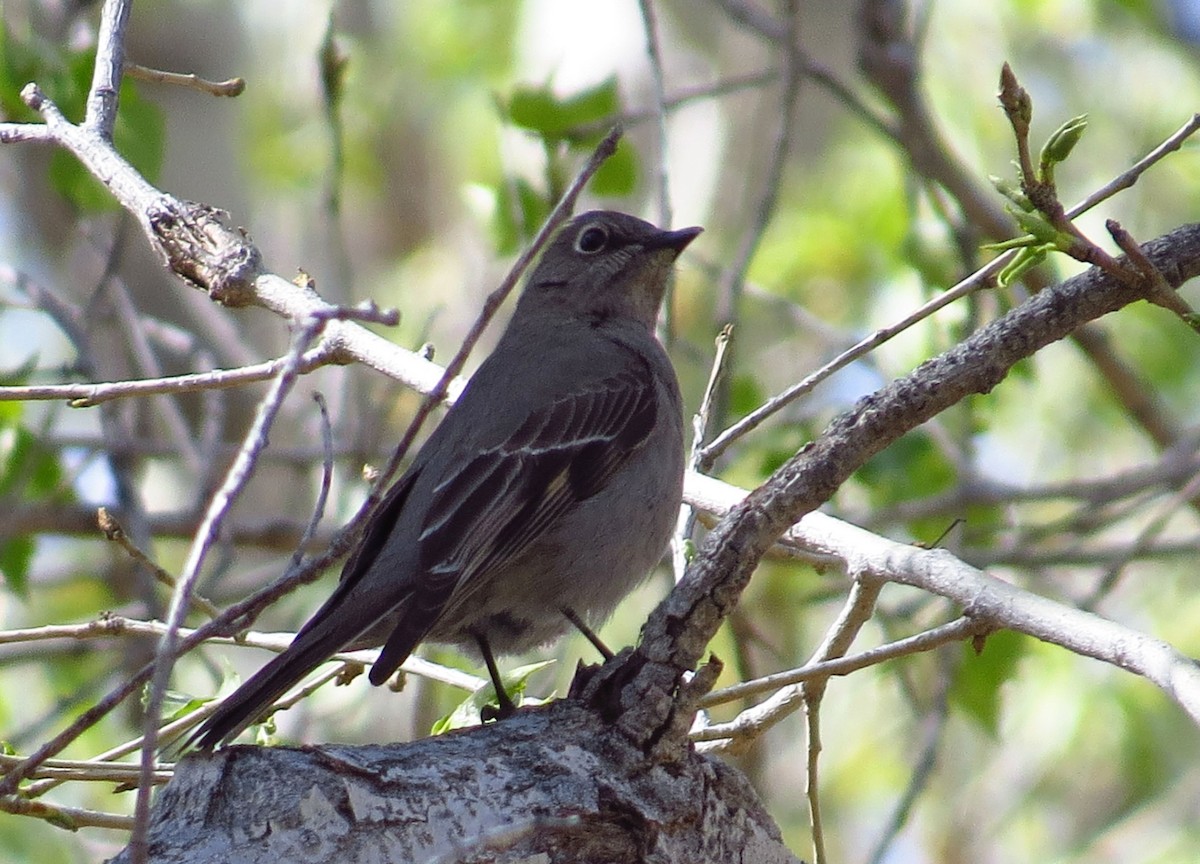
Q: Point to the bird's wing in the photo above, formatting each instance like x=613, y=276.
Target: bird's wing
x=499, y=501
x=370, y=544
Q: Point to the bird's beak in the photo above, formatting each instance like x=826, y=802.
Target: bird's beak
x=676, y=240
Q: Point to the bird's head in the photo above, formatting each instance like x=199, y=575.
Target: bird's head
x=604, y=264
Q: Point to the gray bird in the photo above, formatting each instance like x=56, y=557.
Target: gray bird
x=546, y=494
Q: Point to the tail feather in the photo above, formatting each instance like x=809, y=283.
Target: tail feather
x=396, y=650
x=314, y=645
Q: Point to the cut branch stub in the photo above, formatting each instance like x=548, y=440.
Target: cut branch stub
x=197, y=245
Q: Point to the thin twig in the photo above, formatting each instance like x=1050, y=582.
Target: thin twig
x=113, y=531
x=702, y=93
x=687, y=515
x=1142, y=542
x=750, y=16
x=857, y=611
x=662, y=188
x=730, y=289
x=102, y=95
x=979, y=279
x=88, y=770
x=812, y=773
x=657, y=76
x=318, y=513
x=935, y=727
x=1158, y=290
x=115, y=626
x=229, y=87
x=70, y=818
x=90, y=395
x=1126, y=179
x=148, y=365
x=235, y=480
x=954, y=631
x=111, y=626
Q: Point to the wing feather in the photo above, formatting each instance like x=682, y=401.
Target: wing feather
x=504, y=498
x=562, y=454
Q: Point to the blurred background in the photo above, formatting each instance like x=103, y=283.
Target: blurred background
x=404, y=152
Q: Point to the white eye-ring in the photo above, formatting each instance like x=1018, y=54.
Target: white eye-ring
x=591, y=240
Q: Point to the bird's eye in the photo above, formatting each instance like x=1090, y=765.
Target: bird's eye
x=591, y=240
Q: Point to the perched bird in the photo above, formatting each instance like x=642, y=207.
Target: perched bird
x=546, y=494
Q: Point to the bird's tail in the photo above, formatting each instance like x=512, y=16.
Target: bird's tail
x=312, y=646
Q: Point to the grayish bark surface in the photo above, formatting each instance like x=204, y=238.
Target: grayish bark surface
x=551, y=784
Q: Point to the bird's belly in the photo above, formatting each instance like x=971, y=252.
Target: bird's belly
x=591, y=573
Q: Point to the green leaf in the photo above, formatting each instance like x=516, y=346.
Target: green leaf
x=1026, y=259
x=29, y=471
x=519, y=211
x=1012, y=243
x=1060, y=144
x=266, y=733
x=1035, y=224
x=618, y=175
x=745, y=394
x=18, y=65
x=177, y=705
x=560, y=119
x=141, y=132
x=912, y=467
x=976, y=691
x=27, y=468
x=466, y=714
x=15, y=557
x=1012, y=192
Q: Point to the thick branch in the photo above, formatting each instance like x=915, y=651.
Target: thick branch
x=678, y=631
x=551, y=783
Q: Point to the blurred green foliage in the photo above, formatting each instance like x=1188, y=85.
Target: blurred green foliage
x=459, y=123
x=29, y=471
x=64, y=77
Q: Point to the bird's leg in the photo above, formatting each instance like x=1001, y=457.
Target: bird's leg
x=583, y=628
x=507, y=708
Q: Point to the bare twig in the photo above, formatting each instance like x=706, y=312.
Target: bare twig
x=1144, y=540
x=857, y=611
x=326, y=481
x=657, y=76
x=70, y=818
x=666, y=329
x=634, y=117
x=229, y=87
x=981, y=278
x=148, y=365
x=955, y=631
x=113, y=531
x=733, y=278
x=1127, y=179
x=235, y=480
x=106, y=71
x=89, y=395
x=111, y=626
x=1154, y=284
x=749, y=15
x=687, y=516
